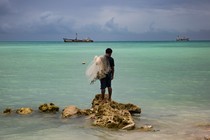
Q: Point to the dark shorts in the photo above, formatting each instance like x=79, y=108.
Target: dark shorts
x=106, y=82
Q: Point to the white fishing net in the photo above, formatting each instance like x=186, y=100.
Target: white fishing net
x=98, y=68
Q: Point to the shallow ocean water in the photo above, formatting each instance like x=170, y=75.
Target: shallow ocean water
x=168, y=80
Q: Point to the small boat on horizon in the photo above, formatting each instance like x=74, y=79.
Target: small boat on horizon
x=179, y=38
x=77, y=40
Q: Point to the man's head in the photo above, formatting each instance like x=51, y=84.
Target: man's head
x=109, y=51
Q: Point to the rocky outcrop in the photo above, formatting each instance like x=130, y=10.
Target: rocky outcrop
x=70, y=111
x=7, y=111
x=103, y=113
x=24, y=111
x=49, y=107
x=133, y=109
x=106, y=116
x=109, y=114
x=112, y=114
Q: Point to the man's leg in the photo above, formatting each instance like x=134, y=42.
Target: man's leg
x=102, y=93
x=103, y=88
x=109, y=80
x=110, y=93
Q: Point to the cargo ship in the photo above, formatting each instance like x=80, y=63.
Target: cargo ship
x=179, y=38
x=77, y=40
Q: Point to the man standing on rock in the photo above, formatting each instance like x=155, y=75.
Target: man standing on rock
x=106, y=82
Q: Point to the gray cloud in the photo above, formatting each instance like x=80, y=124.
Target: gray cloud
x=104, y=20
x=5, y=8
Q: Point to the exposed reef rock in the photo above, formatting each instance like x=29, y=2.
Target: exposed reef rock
x=7, y=111
x=108, y=114
x=103, y=113
x=113, y=114
x=70, y=111
x=24, y=111
x=133, y=109
x=49, y=107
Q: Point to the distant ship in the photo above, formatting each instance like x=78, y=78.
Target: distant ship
x=179, y=38
x=77, y=40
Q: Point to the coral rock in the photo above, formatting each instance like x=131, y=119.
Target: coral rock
x=24, y=111
x=120, y=106
x=109, y=114
x=69, y=111
x=85, y=112
x=113, y=114
x=106, y=116
x=50, y=107
x=7, y=111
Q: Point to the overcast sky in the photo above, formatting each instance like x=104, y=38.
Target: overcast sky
x=104, y=20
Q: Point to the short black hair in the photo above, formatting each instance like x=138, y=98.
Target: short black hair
x=109, y=50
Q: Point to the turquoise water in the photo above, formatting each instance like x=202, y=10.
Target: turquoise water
x=168, y=80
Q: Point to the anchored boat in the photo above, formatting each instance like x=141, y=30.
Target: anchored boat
x=179, y=38
x=77, y=40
